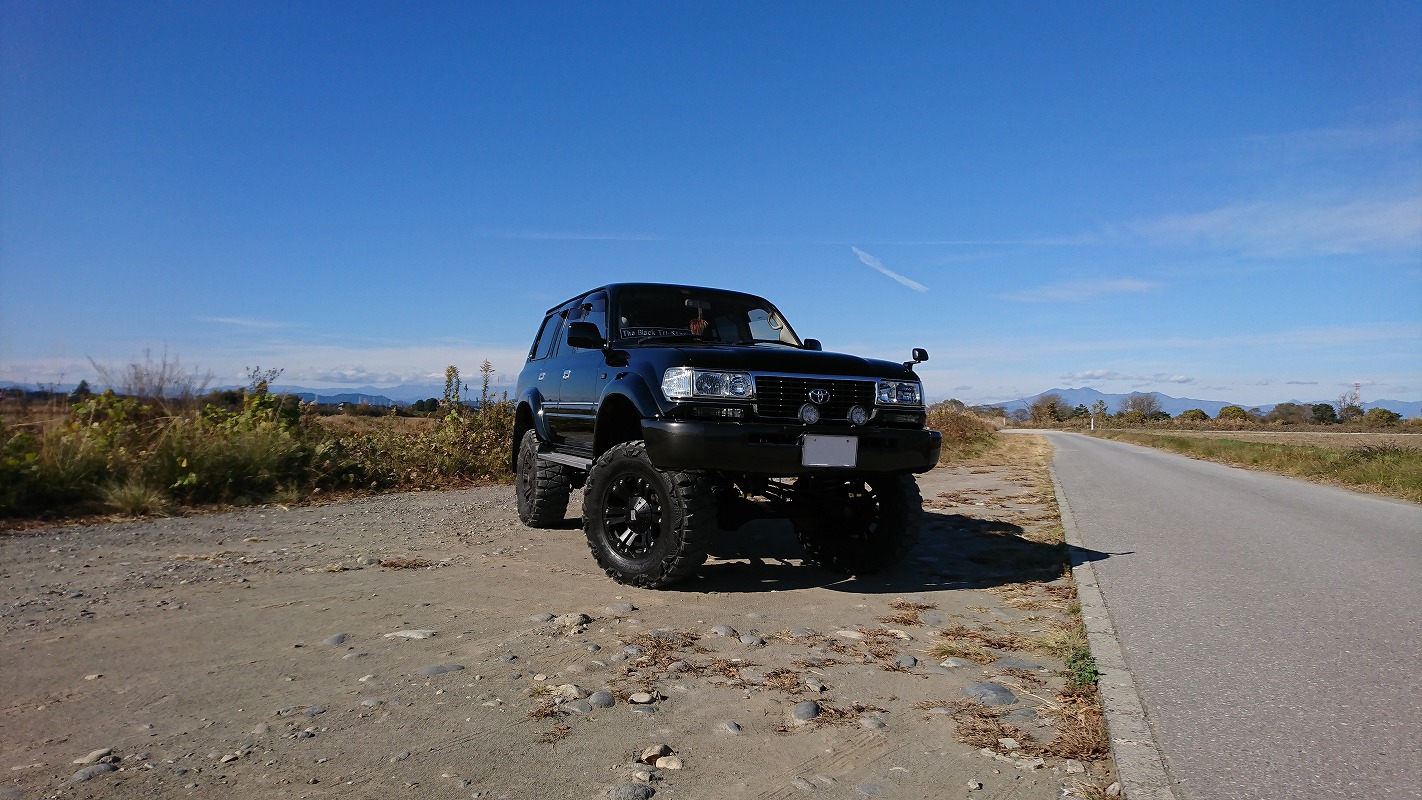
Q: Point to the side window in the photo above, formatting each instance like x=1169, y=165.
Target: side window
x=592, y=309
x=548, y=337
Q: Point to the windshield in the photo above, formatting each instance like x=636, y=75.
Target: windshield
x=670, y=313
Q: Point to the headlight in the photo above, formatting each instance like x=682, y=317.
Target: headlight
x=899, y=393
x=685, y=383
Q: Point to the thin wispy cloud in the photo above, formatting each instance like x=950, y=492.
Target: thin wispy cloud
x=242, y=322
x=1271, y=228
x=875, y=264
x=1301, y=383
x=1081, y=291
x=1095, y=375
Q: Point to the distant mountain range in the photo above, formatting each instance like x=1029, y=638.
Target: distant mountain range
x=1175, y=405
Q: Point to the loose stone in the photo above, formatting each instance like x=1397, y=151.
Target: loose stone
x=730, y=727
x=415, y=633
x=544, y=617
x=655, y=752
x=803, y=785
x=339, y=638
x=806, y=711
x=440, y=669
x=631, y=791
x=571, y=620
x=579, y=706
x=956, y=662
x=1074, y=767
x=723, y=630
x=399, y=757
x=990, y=694
x=93, y=758
x=314, y=710
x=642, y=698
x=91, y=771
x=753, y=641
x=669, y=762
x=1009, y=662
x=849, y=634
x=621, y=608
x=907, y=662
x=602, y=699
x=647, y=710
x=872, y=723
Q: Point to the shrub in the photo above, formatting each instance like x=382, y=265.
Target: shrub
x=1233, y=414
x=1194, y=415
x=1381, y=418
x=964, y=434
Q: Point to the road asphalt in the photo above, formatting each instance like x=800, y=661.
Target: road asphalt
x=1270, y=625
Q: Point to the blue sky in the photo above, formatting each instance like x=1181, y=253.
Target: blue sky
x=1214, y=200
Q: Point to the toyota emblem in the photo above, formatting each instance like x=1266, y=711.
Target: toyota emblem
x=819, y=396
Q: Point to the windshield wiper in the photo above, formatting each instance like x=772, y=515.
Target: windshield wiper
x=759, y=341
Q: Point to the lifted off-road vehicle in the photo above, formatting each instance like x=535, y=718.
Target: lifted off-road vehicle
x=680, y=410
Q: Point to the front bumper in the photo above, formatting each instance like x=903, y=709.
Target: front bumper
x=775, y=450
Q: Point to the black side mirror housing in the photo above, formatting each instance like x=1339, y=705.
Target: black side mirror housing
x=813, y=344
x=584, y=335
x=919, y=355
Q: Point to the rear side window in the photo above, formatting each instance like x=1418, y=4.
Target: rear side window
x=547, y=337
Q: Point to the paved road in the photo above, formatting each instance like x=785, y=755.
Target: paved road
x=1272, y=625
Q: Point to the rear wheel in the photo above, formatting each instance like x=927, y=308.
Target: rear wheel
x=646, y=527
x=542, y=487
x=858, y=524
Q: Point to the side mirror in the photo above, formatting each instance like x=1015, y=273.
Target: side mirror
x=584, y=335
x=813, y=344
x=919, y=354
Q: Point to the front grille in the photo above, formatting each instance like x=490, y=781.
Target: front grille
x=780, y=396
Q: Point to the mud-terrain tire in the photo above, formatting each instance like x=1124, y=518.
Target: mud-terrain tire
x=646, y=527
x=857, y=525
x=541, y=487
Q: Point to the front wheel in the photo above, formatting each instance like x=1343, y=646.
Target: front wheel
x=857, y=525
x=542, y=487
x=645, y=526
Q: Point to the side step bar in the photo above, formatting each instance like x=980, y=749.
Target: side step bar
x=576, y=462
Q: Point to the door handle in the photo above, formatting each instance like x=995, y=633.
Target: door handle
x=540, y=376
x=567, y=373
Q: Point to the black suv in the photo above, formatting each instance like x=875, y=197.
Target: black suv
x=681, y=410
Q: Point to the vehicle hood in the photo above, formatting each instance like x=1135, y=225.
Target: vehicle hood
x=752, y=358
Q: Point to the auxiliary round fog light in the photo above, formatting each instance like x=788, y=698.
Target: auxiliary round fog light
x=858, y=416
x=809, y=414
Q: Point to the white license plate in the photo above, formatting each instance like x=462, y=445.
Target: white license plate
x=830, y=451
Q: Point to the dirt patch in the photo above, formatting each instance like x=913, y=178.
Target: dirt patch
x=426, y=644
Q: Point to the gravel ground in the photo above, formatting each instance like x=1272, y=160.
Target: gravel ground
x=427, y=645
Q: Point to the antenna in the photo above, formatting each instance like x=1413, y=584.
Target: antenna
x=1358, y=393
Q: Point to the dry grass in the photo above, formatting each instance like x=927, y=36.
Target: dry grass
x=554, y=734
x=907, y=613
x=1390, y=467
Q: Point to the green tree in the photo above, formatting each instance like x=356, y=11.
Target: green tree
x=1290, y=414
x=1194, y=415
x=1323, y=414
x=81, y=392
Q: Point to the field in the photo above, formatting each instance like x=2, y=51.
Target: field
x=1382, y=463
